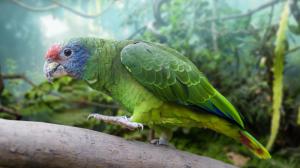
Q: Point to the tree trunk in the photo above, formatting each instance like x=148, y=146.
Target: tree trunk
x=35, y=144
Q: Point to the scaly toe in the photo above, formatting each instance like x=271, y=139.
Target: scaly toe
x=90, y=116
x=154, y=141
x=140, y=126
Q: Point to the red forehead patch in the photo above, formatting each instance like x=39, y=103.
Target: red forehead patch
x=53, y=52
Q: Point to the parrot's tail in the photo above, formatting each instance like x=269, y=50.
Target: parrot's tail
x=253, y=145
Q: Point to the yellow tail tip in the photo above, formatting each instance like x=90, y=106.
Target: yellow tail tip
x=254, y=146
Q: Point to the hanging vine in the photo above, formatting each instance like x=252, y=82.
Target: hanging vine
x=278, y=74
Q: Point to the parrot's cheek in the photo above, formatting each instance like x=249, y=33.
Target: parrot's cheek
x=54, y=70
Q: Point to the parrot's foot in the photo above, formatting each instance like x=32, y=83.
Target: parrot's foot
x=159, y=142
x=162, y=142
x=117, y=120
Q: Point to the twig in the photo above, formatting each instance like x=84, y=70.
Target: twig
x=110, y=106
x=18, y=76
x=269, y=25
x=10, y=111
x=138, y=31
x=35, y=9
x=214, y=31
x=56, y=4
x=295, y=11
x=266, y=36
x=293, y=50
x=80, y=13
x=249, y=13
x=157, y=11
x=1, y=83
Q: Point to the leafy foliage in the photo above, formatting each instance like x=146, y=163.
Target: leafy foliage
x=242, y=69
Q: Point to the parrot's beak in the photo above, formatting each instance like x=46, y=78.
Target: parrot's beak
x=53, y=70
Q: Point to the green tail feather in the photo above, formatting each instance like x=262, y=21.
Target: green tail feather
x=254, y=146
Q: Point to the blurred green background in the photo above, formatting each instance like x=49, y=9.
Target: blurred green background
x=233, y=42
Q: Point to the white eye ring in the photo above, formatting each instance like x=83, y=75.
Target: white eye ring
x=67, y=52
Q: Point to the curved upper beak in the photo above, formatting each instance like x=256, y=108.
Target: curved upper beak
x=53, y=70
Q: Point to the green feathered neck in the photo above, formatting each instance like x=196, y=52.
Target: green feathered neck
x=98, y=70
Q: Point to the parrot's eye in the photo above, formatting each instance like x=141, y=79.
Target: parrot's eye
x=67, y=52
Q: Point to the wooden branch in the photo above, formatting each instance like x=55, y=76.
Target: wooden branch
x=18, y=76
x=247, y=14
x=35, y=144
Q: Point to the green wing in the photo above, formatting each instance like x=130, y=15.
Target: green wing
x=173, y=77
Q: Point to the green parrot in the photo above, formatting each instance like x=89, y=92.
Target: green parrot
x=159, y=86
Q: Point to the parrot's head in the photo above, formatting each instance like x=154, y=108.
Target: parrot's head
x=67, y=59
